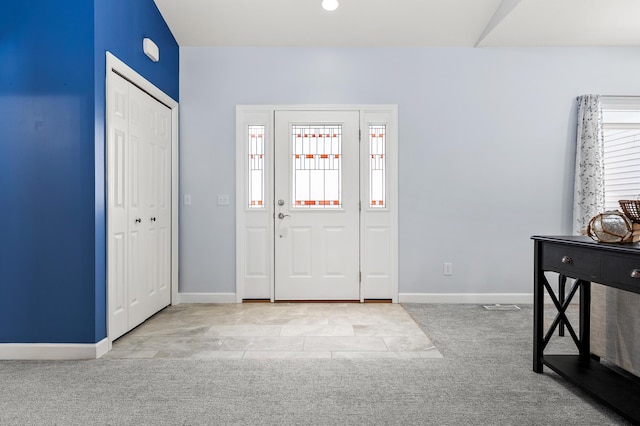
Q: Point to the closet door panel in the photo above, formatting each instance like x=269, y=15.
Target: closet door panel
x=139, y=305
x=164, y=225
x=162, y=192
x=117, y=204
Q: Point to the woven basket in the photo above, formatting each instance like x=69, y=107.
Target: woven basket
x=631, y=209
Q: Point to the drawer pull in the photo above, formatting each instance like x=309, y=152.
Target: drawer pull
x=635, y=273
x=569, y=261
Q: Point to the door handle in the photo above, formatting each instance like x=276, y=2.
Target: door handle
x=282, y=215
x=138, y=220
x=153, y=219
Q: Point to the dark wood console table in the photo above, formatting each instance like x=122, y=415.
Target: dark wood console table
x=614, y=265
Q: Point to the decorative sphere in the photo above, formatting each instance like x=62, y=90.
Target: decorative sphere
x=610, y=227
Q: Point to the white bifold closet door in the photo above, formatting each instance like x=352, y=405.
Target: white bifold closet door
x=138, y=211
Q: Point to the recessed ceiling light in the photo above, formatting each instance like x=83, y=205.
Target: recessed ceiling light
x=330, y=5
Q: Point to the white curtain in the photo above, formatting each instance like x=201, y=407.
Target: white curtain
x=589, y=177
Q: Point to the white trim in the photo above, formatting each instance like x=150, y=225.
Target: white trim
x=620, y=103
x=245, y=116
x=175, y=203
x=113, y=63
x=376, y=286
x=208, y=298
x=460, y=298
x=240, y=196
x=318, y=107
x=264, y=115
x=53, y=351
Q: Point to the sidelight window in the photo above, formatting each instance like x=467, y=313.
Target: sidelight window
x=256, y=167
x=377, y=166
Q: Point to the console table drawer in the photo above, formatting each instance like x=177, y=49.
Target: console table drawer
x=571, y=261
x=623, y=270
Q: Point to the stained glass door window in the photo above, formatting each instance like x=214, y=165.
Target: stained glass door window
x=317, y=171
x=378, y=166
x=256, y=167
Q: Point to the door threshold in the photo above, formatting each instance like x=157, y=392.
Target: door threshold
x=317, y=301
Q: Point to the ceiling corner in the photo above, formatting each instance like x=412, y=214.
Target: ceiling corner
x=502, y=11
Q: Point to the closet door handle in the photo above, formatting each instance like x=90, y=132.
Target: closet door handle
x=153, y=219
x=138, y=220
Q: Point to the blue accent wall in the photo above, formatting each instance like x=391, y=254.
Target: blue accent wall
x=120, y=27
x=52, y=182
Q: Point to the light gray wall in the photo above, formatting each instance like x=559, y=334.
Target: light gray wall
x=485, y=148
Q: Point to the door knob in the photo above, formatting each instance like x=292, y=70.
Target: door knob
x=282, y=215
x=635, y=273
x=138, y=220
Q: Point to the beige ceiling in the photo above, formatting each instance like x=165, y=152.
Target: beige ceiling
x=404, y=22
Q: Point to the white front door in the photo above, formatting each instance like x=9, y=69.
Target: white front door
x=317, y=205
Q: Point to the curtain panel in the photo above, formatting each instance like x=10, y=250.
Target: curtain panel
x=589, y=174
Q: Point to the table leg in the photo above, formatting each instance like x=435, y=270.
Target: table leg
x=585, y=319
x=562, y=282
x=538, y=308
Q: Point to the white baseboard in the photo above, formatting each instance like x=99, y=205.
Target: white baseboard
x=459, y=298
x=479, y=298
x=53, y=351
x=207, y=298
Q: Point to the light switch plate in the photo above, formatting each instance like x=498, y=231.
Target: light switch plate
x=447, y=268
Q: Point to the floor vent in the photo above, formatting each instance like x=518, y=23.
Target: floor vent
x=499, y=307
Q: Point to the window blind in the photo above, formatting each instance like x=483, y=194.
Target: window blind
x=621, y=164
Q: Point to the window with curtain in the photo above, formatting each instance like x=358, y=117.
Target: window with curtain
x=621, y=132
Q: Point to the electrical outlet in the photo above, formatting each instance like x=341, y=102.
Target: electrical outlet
x=223, y=199
x=447, y=268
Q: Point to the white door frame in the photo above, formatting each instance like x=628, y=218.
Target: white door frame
x=254, y=227
x=114, y=67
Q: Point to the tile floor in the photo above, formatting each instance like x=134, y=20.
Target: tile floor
x=277, y=331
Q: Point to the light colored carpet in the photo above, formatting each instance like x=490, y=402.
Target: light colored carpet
x=484, y=378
